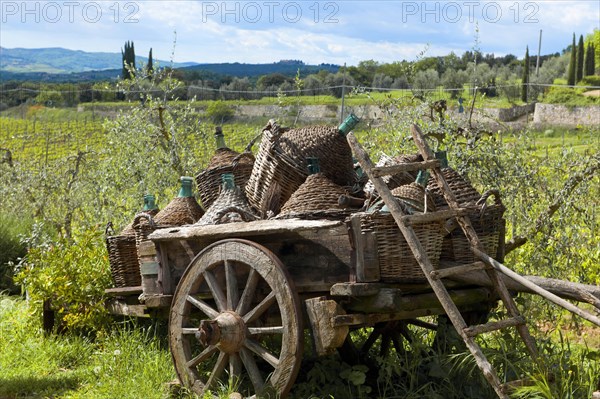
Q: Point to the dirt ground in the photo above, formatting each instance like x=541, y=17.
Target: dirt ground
x=592, y=93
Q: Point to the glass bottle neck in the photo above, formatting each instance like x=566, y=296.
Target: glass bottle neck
x=422, y=178
x=149, y=202
x=228, y=181
x=314, y=166
x=186, y=187
x=349, y=123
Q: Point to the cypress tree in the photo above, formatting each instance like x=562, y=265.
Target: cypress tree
x=590, y=64
x=525, y=80
x=149, y=66
x=128, y=55
x=580, y=51
x=572, y=64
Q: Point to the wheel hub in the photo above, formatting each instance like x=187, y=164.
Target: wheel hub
x=227, y=331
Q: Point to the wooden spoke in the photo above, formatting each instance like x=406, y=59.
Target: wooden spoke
x=205, y=354
x=216, y=291
x=248, y=294
x=384, y=348
x=371, y=339
x=203, y=306
x=265, y=330
x=252, y=369
x=260, y=308
x=217, y=370
x=397, y=343
x=235, y=367
x=232, y=285
x=217, y=275
x=262, y=352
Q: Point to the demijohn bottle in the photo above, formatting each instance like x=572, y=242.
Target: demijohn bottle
x=349, y=123
x=183, y=209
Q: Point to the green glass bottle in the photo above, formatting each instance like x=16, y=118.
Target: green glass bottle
x=228, y=181
x=314, y=166
x=422, y=178
x=443, y=158
x=149, y=203
x=186, y=187
x=220, y=138
x=349, y=123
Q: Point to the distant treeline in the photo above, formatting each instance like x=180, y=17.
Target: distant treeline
x=250, y=81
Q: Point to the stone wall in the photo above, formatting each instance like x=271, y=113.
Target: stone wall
x=562, y=115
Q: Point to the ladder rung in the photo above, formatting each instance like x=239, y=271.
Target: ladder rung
x=379, y=171
x=494, y=325
x=443, y=273
x=433, y=216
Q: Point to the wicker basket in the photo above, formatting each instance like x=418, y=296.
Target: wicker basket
x=180, y=211
x=396, y=260
x=122, y=256
x=230, y=206
x=487, y=221
x=325, y=143
x=275, y=176
x=415, y=198
x=464, y=192
x=316, y=198
x=399, y=179
x=223, y=161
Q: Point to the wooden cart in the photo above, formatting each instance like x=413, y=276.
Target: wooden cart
x=239, y=297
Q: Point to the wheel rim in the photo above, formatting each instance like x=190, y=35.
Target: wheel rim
x=235, y=318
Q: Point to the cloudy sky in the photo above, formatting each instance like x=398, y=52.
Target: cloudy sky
x=343, y=31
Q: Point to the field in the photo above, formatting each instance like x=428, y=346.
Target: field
x=69, y=174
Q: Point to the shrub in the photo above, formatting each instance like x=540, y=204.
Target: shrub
x=219, y=112
x=73, y=276
x=568, y=96
x=591, y=80
x=11, y=247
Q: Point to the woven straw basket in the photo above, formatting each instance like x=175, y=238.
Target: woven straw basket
x=180, y=211
x=325, y=143
x=464, y=192
x=396, y=260
x=316, y=198
x=487, y=220
x=223, y=161
x=122, y=256
x=280, y=166
x=398, y=179
x=230, y=206
x=275, y=176
x=415, y=198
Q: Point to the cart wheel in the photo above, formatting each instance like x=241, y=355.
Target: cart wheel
x=362, y=346
x=235, y=322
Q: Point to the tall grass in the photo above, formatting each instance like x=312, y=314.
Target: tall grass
x=131, y=362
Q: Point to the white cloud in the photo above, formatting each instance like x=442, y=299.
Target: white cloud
x=354, y=31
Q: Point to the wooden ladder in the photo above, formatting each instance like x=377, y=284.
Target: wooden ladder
x=434, y=277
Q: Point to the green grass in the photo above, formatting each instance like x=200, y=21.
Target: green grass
x=129, y=362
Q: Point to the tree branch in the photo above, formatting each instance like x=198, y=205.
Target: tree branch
x=559, y=200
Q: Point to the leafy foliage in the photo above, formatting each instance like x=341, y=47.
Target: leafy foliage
x=72, y=275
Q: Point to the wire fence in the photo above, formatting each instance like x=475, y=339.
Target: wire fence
x=68, y=97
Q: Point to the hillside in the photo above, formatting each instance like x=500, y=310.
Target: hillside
x=59, y=65
x=289, y=68
x=58, y=60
